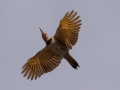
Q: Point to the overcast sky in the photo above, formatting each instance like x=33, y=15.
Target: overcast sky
x=97, y=50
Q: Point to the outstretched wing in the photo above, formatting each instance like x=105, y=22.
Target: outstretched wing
x=68, y=29
x=44, y=61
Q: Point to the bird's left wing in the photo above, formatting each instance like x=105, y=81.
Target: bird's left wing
x=68, y=29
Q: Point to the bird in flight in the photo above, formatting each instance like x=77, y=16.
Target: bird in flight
x=57, y=48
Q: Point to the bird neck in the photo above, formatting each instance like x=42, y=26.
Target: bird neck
x=49, y=41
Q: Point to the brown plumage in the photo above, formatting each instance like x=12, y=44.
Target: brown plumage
x=57, y=48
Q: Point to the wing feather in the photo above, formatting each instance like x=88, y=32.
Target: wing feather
x=68, y=29
x=44, y=61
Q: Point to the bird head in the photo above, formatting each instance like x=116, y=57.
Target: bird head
x=44, y=36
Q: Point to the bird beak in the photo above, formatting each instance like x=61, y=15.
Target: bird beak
x=41, y=30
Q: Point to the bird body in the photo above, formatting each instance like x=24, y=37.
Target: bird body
x=57, y=48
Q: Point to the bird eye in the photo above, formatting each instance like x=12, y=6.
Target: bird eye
x=45, y=34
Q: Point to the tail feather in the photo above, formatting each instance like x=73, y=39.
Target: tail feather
x=72, y=61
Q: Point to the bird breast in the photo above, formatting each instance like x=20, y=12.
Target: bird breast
x=54, y=47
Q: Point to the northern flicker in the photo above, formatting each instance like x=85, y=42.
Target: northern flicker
x=57, y=48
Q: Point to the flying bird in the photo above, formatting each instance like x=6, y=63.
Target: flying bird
x=57, y=48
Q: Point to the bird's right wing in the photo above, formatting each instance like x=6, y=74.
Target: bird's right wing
x=44, y=61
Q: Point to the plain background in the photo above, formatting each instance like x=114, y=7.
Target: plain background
x=97, y=50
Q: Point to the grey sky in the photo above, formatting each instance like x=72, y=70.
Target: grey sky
x=97, y=50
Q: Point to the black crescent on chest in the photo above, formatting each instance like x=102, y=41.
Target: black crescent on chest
x=49, y=41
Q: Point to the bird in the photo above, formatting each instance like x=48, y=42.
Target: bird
x=56, y=49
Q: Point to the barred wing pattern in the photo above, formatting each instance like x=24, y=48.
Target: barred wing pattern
x=68, y=29
x=43, y=62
